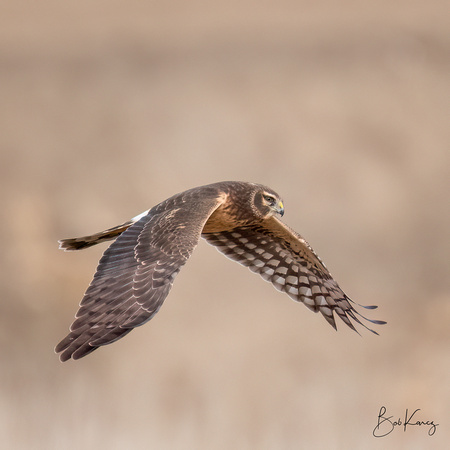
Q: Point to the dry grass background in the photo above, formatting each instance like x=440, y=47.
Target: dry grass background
x=109, y=107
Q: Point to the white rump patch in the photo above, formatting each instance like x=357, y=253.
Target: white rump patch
x=139, y=216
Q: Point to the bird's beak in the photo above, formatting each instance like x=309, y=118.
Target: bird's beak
x=280, y=208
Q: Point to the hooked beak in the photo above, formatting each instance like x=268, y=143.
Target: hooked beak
x=280, y=208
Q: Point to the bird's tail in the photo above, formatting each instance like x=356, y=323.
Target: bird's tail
x=94, y=239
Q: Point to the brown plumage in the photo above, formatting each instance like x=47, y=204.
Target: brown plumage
x=136, y=272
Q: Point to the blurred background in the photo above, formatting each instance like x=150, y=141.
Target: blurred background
x=107, y=108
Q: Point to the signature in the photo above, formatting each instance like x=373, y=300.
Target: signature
x=386, y=425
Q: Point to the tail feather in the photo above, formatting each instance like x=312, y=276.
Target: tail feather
x=94, y=239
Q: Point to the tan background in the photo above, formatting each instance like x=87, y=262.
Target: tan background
x=107, y=108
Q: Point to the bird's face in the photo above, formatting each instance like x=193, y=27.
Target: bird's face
x=268, y=203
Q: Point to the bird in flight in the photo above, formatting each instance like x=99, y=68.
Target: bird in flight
x=240, y=219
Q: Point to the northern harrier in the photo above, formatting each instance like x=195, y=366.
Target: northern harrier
x=136, y=272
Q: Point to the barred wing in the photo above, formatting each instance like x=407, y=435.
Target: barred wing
x=284, y=258
x=136, y=272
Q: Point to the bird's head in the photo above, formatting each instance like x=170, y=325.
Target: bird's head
x=267, y=203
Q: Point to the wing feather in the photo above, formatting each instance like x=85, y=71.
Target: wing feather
x=281, y=256
x=136, y=273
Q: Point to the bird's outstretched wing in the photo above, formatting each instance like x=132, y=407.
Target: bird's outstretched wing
x=282, y=257
x=136, y=272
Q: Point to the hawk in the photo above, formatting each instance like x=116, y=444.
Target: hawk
x=240, y=219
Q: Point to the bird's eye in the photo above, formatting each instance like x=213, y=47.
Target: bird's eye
x=269, y=199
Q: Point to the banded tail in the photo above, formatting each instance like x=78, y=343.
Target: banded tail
x=88, y=241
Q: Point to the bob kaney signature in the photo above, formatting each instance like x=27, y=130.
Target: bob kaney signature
x=386, y=425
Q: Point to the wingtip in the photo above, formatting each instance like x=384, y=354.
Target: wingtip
x=63, y=359
x=63, y=355
x=362, y=306
x=374, y=321
x=378, y=322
